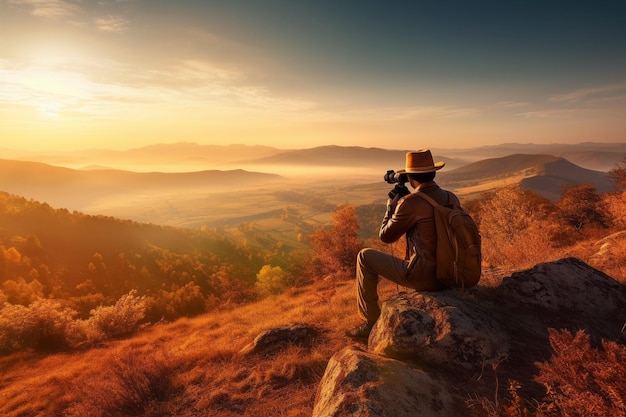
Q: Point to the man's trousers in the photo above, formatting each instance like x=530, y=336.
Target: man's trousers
x=370, y=265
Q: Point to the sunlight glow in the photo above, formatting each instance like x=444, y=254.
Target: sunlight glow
x=53, y=83
x=50, y=110
x=126, y=73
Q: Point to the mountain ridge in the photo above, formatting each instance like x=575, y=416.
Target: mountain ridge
x=136, y=194
x=597, y=156
x=544, y=174
x=59, y=185
x=193, y=156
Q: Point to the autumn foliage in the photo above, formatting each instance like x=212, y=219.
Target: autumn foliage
x=335, y=249
x=85, y=262
x=582, y=380
x=47, y=325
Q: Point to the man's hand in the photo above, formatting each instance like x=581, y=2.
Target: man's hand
x=398, y=192
x=395, y=195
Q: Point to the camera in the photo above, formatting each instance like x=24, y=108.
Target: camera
x=392, y=177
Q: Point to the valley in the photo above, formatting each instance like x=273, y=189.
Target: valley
x=281, y=191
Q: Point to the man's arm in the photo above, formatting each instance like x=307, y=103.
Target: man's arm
x=398, y=219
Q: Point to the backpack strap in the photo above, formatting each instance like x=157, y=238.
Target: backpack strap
x=407, y=252
x=432, y=200
x=429, y=198
x=434, y=204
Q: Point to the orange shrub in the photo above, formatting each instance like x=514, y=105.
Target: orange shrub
x=335, y=249
x=583, y=381
x=615, y=205
x=517, y=228
x=121, y=319
x=44, y=325
x=186, y=301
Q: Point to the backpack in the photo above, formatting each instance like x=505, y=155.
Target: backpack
x=459, y=257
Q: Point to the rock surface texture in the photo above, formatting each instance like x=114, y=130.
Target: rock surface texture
x=430, y=353
x=359, y=383
x=274, y=339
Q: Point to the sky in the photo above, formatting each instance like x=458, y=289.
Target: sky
x=120, y=74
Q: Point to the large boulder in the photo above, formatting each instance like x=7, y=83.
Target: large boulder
x=442, y=329
x=568, y=289
x=358, y=383
x=473, y=340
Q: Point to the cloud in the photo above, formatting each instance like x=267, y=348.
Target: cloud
x=109, y=2
x=601, y=94
x=261, y=99
x=64, y=9
x=200, y=79
x=101, y=89
x=415, y=113
x=112, y=24
x=184, y=75
x=591, y=102
x=445, y=112
x=560, y=114
x=513, y=104
x=48, y=9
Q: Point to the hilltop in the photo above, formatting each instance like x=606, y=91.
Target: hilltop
x=543, y=174
x=534, y=331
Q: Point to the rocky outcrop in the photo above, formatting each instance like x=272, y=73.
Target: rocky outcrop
x=358, y=383
x=450, y=346
x=439, y=330
x=272, y=340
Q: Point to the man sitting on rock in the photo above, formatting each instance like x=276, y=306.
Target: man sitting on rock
x=410, y=215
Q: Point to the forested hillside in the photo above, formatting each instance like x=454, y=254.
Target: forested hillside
x=92, y=260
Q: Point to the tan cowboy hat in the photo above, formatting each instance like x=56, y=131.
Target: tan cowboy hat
x=420, y=162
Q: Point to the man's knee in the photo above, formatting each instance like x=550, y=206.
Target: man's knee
x=364, y=253
x=368, y=262
x=363, y=256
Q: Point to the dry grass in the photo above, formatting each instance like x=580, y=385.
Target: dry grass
x=576, y=368
x=607, y=254
x=191, y=367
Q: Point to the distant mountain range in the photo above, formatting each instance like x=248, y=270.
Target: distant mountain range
x=176, y=157
x=590, y=155
x=65, y=187
x=341, y=156
x=599, y=157
x=80, y=188
x=186, y=156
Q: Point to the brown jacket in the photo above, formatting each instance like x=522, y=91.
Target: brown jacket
x=413, y=216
